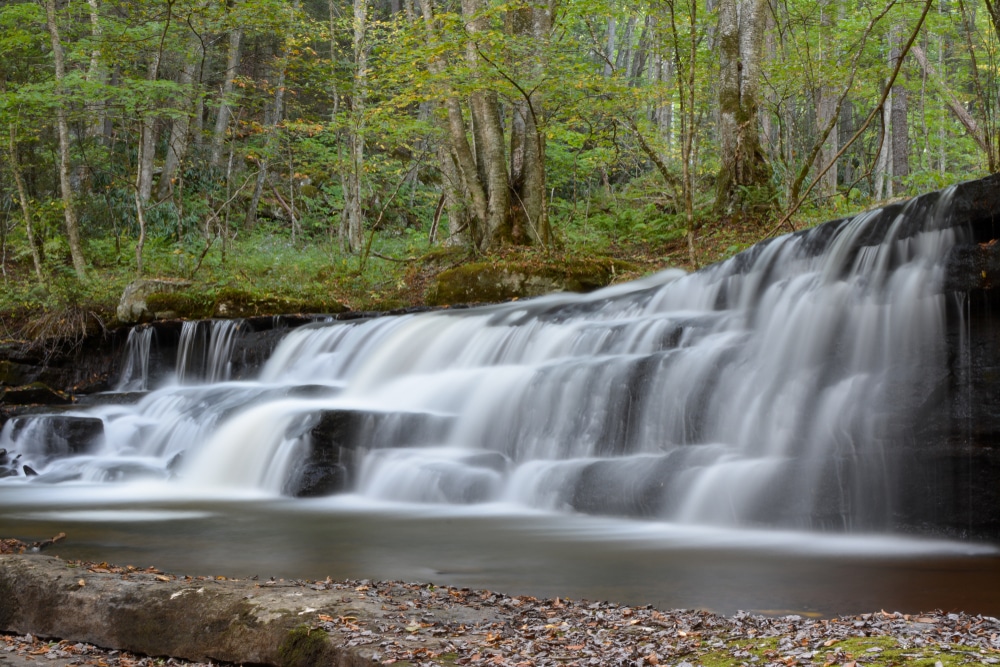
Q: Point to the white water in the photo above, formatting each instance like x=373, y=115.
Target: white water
x=762, y=391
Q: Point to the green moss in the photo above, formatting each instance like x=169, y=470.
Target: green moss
x=303, y=647
x=191, y=305
x=854, y=649
x=490, y=282
x=232, y=302
x=8, y=603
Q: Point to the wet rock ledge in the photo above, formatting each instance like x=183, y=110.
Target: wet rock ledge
x=297, y=623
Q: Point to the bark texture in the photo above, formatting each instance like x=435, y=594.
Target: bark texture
x=744, y=176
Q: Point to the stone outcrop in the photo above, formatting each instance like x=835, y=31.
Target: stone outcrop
x=489, y=282
x=132, y=306
x=282, y=623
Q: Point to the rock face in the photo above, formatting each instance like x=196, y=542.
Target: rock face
x=337, y=438
x=243, y=622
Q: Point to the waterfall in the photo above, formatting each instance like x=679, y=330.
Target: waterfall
x=205, y=349
x=771, y=389
x=135, y=372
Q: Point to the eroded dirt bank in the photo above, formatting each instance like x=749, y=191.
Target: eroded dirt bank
x=133, y=612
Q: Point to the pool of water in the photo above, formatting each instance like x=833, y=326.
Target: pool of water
x=507, y=549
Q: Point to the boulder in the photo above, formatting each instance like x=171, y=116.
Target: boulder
x=57, y=435
x=132, y=306
x=281, y=623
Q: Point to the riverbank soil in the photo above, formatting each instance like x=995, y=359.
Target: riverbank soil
x=58, y=613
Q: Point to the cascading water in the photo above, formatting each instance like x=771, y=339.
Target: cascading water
x=766, y=390
x=841, y=378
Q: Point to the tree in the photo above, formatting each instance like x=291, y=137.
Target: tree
x=744, y=173
x=69, y=208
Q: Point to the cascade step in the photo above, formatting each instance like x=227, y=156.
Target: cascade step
x=339, y=438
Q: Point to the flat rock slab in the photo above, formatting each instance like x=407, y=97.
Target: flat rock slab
x=270, y=623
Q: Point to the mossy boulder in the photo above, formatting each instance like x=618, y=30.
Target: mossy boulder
x=189, y=305
x=134, y=303
x=231, y=302
x=487, y=282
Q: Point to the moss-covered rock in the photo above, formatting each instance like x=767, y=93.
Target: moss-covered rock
x=134, y=303
x=231, y=302
x=485, y=282
x=188, y=305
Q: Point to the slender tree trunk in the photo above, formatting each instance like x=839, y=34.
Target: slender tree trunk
x=222, y=118
x=529, y=217
x=609, y=52
x=744, y=167
x=180, y=128
x=900, y=124
x=69, y=209
x=826, y=110
x=96, y=72
x=356, y=135
x=147, y=151
x=22, y=193
x=883, y=165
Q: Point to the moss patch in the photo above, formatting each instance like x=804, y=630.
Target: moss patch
x=488, y=282
x=867, y=651
x=303, y=647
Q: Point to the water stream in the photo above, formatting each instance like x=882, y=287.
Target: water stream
x=726, y=439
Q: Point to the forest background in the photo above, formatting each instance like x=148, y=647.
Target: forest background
x=308, y=153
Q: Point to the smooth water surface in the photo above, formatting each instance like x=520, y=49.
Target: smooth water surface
x=504, y=548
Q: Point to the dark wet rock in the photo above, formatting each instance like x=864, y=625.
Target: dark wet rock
x=13, y=374
x=36, y=393
x=317, y=478
x=29, y=471
x=56, y=435
x=111, y=398
x=339, y=438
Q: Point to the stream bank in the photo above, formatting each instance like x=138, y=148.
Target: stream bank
x=295, y=623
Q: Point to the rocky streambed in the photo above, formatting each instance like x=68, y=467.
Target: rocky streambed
x=79, y=613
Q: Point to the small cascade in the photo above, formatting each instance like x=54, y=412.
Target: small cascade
x=135, y=372
x=778, y=388
x=204, y=353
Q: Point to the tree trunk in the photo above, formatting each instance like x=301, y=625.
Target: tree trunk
x=222, y=118
x=744, y=177
x=180, y=129
x=96, y=73
x=353, y=195
x=529, y=217
x=272, y=116
x=22, y=193
x=900, y=125
x=884, y=165
x=826, y=110
x=491, y=158
x=69, y=209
